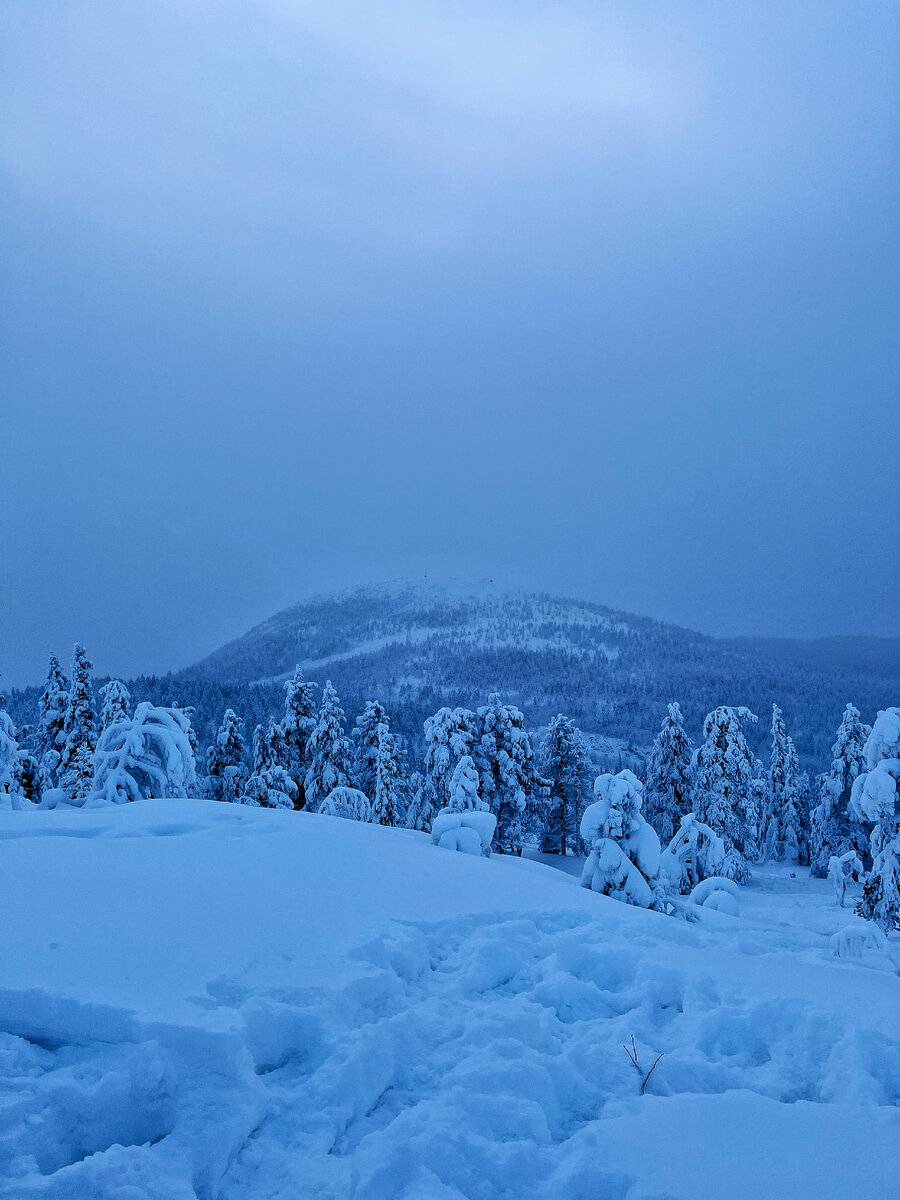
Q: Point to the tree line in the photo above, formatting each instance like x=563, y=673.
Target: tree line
x=717, y=808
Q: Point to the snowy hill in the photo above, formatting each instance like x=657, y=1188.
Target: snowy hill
x=419, y=646
x=203, y=1000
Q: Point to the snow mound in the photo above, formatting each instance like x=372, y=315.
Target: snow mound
x=206, y=1000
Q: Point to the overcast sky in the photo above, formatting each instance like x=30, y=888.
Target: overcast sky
x=596, y=298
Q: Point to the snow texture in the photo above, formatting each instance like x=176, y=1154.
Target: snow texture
x=194, y=1003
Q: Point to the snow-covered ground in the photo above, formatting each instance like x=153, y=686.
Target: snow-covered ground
x=204, y=1000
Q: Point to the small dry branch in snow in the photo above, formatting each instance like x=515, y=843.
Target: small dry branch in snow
x=633, y=1056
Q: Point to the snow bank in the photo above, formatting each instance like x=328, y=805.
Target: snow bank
x=206, y=1000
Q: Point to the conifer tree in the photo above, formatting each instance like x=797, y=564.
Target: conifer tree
x=18, y=769
x=755, y=813
x=465, y=823
x=52, y=719
x=25, y=775
x=366, y=737
x=875, y=797
x=721, y=784
x=419, y=813
x=116, y=702
x=567, y=770
x=328, y=751
x=449, y=735
x=464, y=787
x=386, y=795
x=667, y=790
x=509, y=783
x=9, y=751
x=225, y=767
x=298, y=724
x=270, y=785
x=784, y=798
x=76, y=767
x=624, y=852
x=834, y=829
x=146, y=755
x=804, y=805
x=346, y=802
x=189, y=710
x=695, y=853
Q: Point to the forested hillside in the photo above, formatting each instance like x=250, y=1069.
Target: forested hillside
x=419, y=647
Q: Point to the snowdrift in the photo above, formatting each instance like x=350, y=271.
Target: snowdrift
x=206, y=1000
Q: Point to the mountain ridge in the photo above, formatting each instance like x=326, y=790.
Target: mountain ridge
x=417, y=646
x=849, y=650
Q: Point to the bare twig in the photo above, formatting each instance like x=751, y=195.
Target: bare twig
x=633, y=1057
x=650, y=1072
x=632, y=1053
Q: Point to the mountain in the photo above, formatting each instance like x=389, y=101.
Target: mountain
x=418, y=646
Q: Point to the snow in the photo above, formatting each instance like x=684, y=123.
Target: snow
x=206, y=1000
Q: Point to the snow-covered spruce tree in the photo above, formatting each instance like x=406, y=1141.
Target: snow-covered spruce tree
x=834, y=830
x=189, y=711
x=624, y=851
x=875, y=797
x=116, y=703
x=146, y=755
x=417, y=815
x=805, y=805
x=270, y=785
x=348, y=803
x=10, y=795
x=721, y=776
x=756, y=813
x=667, y=789
x=52, y=719
x=328, y=751
x=466, y=823
x=388, y=783
x=509, y=783
x=449, y=735
x=784, y=798
x=566, y=767
x=76, y=766
x=225, y=767
x=371, y=740
x=26, y=777
x=298, y=724
x=695, y=853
